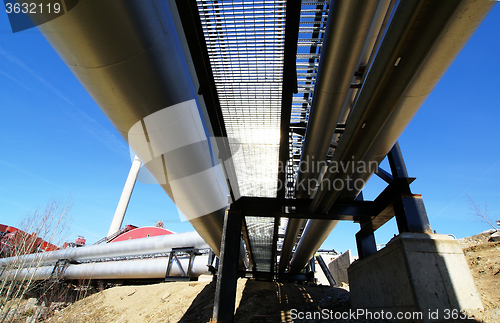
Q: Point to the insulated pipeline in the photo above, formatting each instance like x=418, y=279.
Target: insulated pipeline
x=445, y=31
x=346, y=30
x=131, y=269
x=136, y=247
x=127, y=55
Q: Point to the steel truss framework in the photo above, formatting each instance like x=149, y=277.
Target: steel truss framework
x=251, y=72
x=300, y=45
x=396, y=200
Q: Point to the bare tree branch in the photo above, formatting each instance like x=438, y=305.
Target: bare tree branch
x=481, y=214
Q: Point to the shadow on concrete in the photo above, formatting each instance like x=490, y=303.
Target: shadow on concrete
x=416, y=274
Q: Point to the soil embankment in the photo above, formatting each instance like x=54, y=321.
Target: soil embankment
x=257, y=301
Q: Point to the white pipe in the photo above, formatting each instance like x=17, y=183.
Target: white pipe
x=125, y=197
x=129, y=58
x=130, y=269
x=294, y=225
x=368, y=48
x=136, y=247
x=462, y=24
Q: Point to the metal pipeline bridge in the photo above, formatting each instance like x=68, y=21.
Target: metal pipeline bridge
x=263, y=119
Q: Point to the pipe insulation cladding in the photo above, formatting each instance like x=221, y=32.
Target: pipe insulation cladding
x=130, y=269
x=348, y=26
x=424, y=38
x=136, y=247
x=127, y=55
x=346, y=31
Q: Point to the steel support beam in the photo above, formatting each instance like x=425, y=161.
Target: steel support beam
x=276, y=276
x=396, y=200
x=289, y=87
x=244, y=232
x=409, y=209
x=225, y=291
x=385, y=176
x=186, y=273
x=274, y=244
x=383, y=207
x=191, y=23
x=326, y=271
x=358, y=211
x=312, y=267
x=396, y=162
x=411, y=215
x=365, y=242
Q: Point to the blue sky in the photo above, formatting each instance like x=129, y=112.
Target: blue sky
x=56, y=143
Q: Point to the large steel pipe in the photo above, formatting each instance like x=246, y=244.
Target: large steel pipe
x=382, y=15
x=347, y=27
x=406, y=69
x=127, y=54
x=292, y=230
x=346, y=30
x=136, y=247
x=130, y=269
x=459, y=30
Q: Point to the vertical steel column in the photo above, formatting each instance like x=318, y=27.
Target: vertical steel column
x=411, y=215
x=396, y=161
x=311, y=269
x=366, y=244
x=225, y=290
x=409, y=208
x=274, y=258
x=289, y=87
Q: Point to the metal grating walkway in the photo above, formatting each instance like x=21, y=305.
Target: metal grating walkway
x=245, y=42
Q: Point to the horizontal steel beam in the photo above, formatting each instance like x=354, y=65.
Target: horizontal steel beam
x=383, y=203
x=270, y=276
x=371, y=214
x=357, y=211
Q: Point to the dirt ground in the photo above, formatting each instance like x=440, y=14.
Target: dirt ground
x=483, y=258
x=257, y=301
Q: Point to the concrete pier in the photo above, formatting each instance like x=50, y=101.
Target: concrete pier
x=415, y=272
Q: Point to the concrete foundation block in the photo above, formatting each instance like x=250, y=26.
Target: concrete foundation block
x=338, y=267
x=415, y=273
